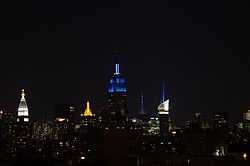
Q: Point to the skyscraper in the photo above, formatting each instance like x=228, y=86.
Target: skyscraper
x=87, y=111
x=23, y=112
x=246, y=120
x=163, y=112
x=117, y=83
x=23, y=129
x=116, y=107
x=220, y=120
x=88, y=118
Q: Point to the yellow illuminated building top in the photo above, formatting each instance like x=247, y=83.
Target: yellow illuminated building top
x=88, y=111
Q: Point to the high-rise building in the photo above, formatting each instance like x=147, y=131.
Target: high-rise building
x=220, y=120
x=23, y=128
x=246, y=120
x=164, y=118
x=23, y=112
x=87, y=111
x=116, y=107
x=153, y=127
x=88, y=118
x=246, y=115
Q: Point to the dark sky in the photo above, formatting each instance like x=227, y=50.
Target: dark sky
x=63, y=52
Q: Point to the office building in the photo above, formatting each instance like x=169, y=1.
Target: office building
x=164, y=118
x=22, y=111
x=116, y=111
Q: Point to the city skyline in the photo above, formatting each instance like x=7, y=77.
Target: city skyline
x=110, y=89
x=197, y=48
x=107, y=83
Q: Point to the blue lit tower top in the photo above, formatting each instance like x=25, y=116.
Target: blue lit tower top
x=117, y=82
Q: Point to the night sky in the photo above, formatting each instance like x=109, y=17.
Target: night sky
x=63, y=52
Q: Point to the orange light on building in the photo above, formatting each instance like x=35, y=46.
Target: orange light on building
x=244, y=155
x=60, y=119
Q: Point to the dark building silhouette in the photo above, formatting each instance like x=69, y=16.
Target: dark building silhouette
x=220, y=120
x=246, y=120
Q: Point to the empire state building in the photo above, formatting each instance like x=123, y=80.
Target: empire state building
x=116, y=108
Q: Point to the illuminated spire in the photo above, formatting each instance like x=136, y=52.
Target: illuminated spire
x=117, y=69
x=23, y=108
x=88, y=111
x=142, y=104
x=117, y=83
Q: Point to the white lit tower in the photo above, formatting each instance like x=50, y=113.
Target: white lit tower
x=163, y=113
x=23, y=112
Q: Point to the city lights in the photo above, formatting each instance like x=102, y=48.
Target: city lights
x=60, y=119
x=75, y=137
x=244, y=156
